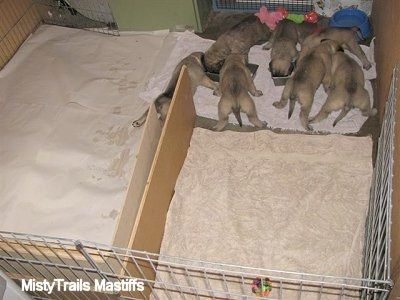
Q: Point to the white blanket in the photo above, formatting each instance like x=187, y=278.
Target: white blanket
x=67, y=101
x=206, y=103
x=276, y=201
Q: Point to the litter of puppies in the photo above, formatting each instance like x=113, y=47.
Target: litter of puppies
x=292, y=44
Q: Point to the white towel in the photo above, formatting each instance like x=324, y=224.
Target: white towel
x=206, y=103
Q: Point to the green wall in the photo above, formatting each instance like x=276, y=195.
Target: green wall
x=158, y=14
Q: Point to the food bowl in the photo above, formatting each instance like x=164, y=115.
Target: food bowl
x=352, y=17
x=281, y=80
x=215, y=76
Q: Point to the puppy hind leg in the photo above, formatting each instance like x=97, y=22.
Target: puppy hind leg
x=287, y=91
x=361, y=100
x=224, y=109
x=321, y=115
x=251, y=86
x=292, y=103
x=249, y=108
x=342, y=114
x=333, y=103
x=139, y=122
x=357, y=51
x=304, y=113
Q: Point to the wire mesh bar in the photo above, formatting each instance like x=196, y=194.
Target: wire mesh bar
x=24, y=257
x=292, y=6
x=377, y=244
x=94, y=15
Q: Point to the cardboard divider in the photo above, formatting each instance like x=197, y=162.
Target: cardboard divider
x=148, y=231
x=139, y=178
x=171, y=152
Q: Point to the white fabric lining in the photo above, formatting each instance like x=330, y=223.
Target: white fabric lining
x=206, y=103
x=67, y=101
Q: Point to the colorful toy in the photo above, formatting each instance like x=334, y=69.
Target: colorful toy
x=311, y=17
x=261, y=286
x=269, y=18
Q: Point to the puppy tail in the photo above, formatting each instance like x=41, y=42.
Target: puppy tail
x=236, y=112
x=357, y=33
x=291, y=106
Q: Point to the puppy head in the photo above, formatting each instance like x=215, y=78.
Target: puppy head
x=281, y=67
x=215, y=56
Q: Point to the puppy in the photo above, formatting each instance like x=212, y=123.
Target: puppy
x=283, y=44
x=346, y=37
x=346, y=91
x=311, y=70
x=239, y=39
x=197, y=76
x=235, y=84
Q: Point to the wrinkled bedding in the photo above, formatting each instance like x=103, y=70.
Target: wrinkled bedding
x=276, y=201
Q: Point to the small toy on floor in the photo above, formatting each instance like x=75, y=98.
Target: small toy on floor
x=271, y=19
x=261, y=286
x=310, y=17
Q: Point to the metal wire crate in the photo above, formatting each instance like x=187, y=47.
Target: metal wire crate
x=292, y=6
x=152, y=276
x=24, y=257
x=94, y=15
x=377, y=243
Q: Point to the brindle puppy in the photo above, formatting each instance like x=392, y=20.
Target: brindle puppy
x=239, y=39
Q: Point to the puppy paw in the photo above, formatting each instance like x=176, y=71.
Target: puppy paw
x=367, y=65
x=264, y=124
x=258, y=93
x=217, y=92
x=267, y=46
x=217, y=128
x=279, y=104
x=220, y=125
x=137, y=123
x=308, y=127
